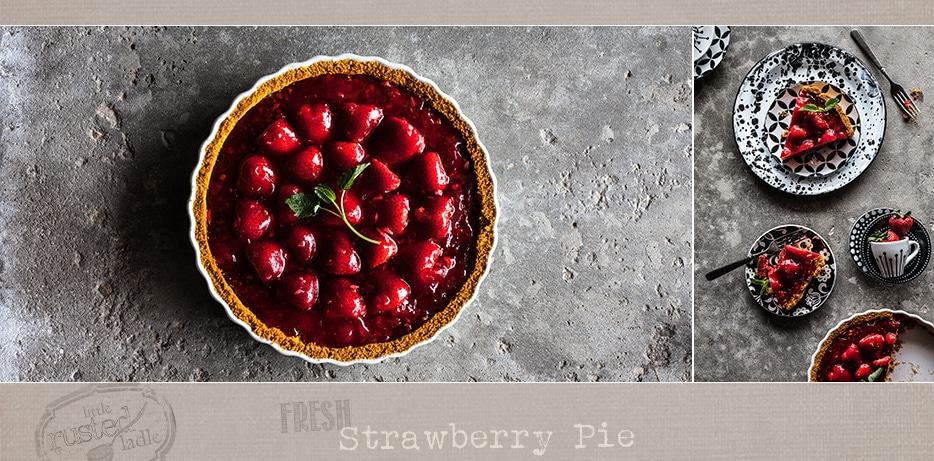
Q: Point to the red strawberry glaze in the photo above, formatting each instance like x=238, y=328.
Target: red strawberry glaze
x=870, y=343
x=397, y=287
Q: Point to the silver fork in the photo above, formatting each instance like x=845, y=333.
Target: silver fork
x=898, y=93
x=773, y=247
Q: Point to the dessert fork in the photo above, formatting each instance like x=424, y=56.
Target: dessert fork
x=898, y=93
x=773, y=247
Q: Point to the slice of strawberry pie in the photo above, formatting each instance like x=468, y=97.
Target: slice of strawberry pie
x=817, y=120
x=787, y=280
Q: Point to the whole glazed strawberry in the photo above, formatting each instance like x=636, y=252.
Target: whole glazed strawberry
x=901, y=223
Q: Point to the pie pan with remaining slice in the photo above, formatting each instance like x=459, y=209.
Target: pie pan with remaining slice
x=757, y=117
x=912, y=355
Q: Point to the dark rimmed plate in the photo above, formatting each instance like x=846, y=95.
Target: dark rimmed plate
x=710, y=45
x=861, y=252
x=785, y=68
x=820, y=288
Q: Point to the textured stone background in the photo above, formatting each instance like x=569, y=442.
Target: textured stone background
x=589, y=134
x=735, y=340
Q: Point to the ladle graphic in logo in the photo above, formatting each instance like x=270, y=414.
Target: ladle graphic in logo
x=107, y=422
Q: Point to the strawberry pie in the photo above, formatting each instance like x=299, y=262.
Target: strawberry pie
x=788, y=278
x=861, y=350
x=344, y=210
x=816, y=120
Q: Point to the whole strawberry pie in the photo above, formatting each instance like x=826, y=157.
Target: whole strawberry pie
x=344, y=210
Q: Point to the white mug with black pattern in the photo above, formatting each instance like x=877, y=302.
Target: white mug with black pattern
x=892, y=257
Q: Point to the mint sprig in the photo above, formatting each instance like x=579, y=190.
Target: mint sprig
x=347, y=179
x=304, y=205
x=760, y=283
x=828, y=105
x=325, y=194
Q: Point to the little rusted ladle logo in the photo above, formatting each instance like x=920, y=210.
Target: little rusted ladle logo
x=107, y=422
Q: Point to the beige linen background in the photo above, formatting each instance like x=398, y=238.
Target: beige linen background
x=681, y=12
x=663, y=421
x=667, y=421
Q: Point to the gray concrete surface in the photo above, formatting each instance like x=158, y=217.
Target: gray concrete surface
x=735, y=340
x=589, y=134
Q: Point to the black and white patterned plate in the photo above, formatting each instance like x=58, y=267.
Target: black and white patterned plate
x=861, y=252
x=785, y=68
x=710, y=45
x=824, y=160
x=819, y=289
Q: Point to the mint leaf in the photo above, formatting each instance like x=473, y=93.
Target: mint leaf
x=325, y=194
x=875, y=375
x=759, y=283
x=830, y=104
x=811, y=108
x=303, y=205
x=347, y=179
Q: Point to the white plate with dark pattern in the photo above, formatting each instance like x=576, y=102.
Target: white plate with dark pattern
x=861, y=252
x=783, y=69
x=710, y=45
x=821, y=286
x=824, y=160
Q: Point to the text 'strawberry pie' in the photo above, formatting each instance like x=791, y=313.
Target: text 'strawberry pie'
x=788, y=278
x=861, y=349
x=344, y=209
x=816, y=120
